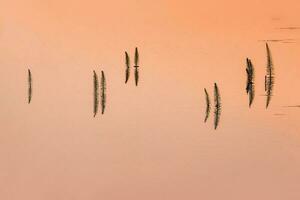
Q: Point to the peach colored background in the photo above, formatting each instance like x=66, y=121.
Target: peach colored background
x=152, y=142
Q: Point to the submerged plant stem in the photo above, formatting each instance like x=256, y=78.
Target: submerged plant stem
x=136, y=75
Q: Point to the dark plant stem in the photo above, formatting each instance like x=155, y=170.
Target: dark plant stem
x=207, y=105
x=269, y=78
x=103, y=92
x=96, y=93
x=250, y=81
x=136, y=66
x=217, y=100
x=127, y=63
x=29, y=86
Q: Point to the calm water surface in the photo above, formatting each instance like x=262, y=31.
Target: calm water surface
x=152, y=142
